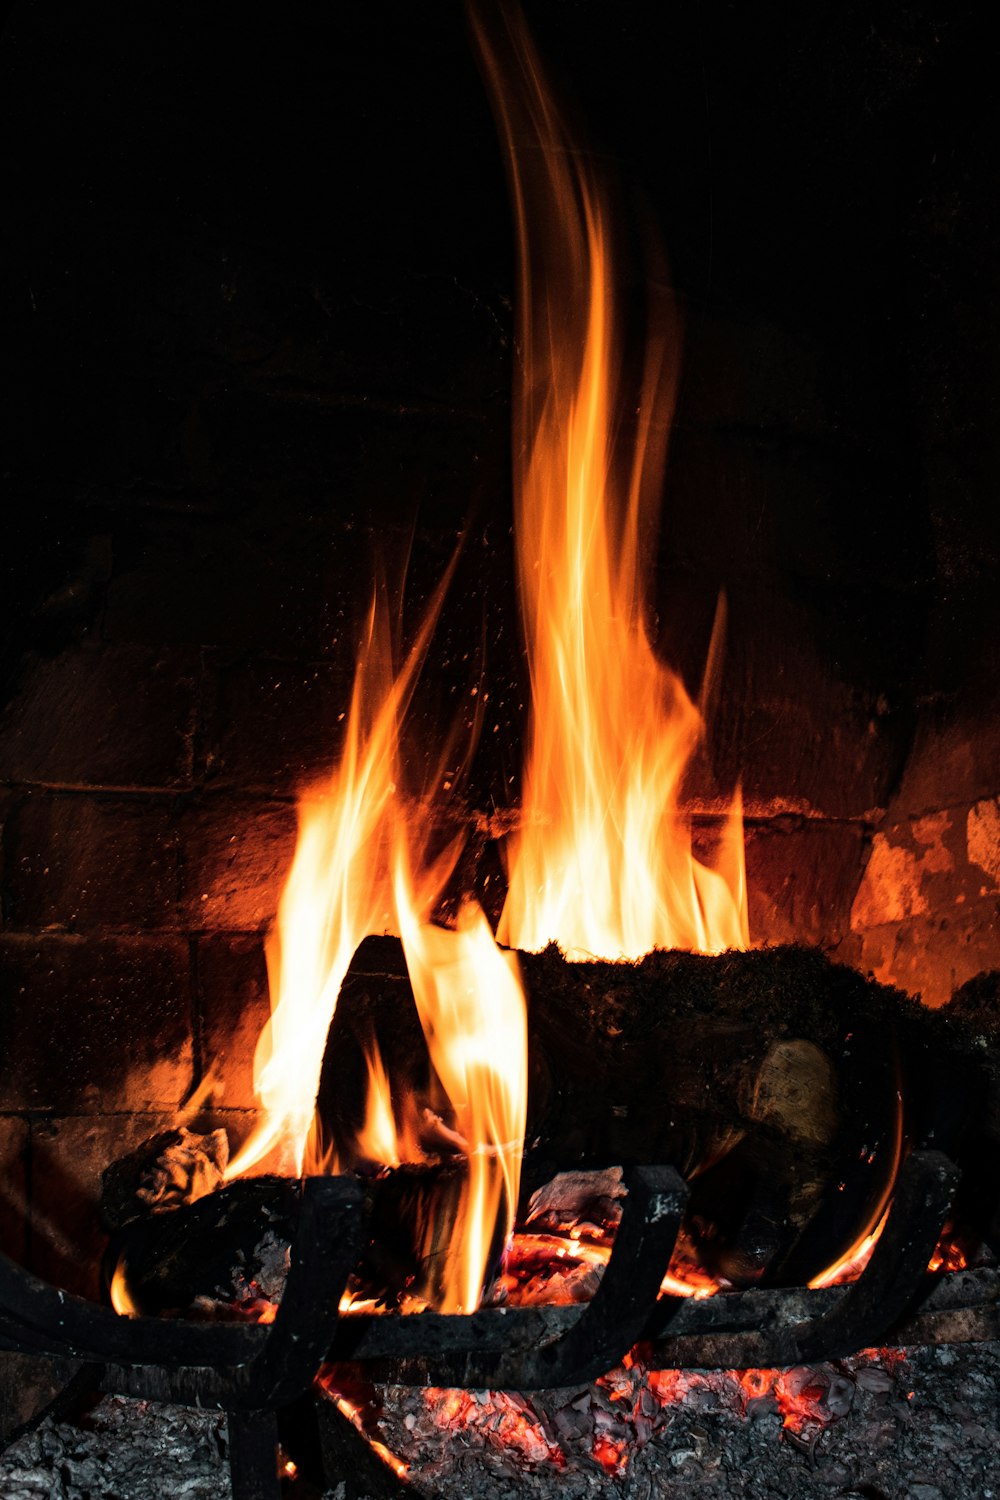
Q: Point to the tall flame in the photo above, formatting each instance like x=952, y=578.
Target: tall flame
x=603, y=863
x=336, y=893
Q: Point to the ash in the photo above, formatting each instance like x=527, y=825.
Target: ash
x=121, y=1450
x=921, y=1427
x=877, y=1427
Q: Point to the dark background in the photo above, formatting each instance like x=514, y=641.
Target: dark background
x=256, y=299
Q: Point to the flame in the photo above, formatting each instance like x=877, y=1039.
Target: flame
x=603, y=863
x=850, y=1265
x=471, y=1006
x=338, y=891
x=378, y=1137
x=362, y=865
x=121, y=1298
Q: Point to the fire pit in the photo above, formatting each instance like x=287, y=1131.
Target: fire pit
x=650, y=1154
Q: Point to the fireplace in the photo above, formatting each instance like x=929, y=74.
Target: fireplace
x=261, y=316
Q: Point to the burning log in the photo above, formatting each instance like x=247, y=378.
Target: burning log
x=226, y=1254
x=782, y=1085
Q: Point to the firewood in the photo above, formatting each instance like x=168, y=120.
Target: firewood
x=771, y=1079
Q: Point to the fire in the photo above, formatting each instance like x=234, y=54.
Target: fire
x=119, y=1294
x=603, y=863
x=361, y=865
x=472, y=1010
x=339, y=890
x=849, y=1266
x=378, y=1137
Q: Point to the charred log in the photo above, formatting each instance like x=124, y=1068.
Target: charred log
x=783, y=1086
x=227, y=1254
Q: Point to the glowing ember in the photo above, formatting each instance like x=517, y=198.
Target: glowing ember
x=603, y=863
x=949, y=1253
x=507, y=1421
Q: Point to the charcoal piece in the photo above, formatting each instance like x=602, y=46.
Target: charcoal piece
x=203, y=1250
x=169, y=1169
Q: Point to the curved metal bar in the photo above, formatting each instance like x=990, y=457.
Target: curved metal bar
x=327, y=1247
x=58, y=1323
x=613, y=1320
x=721, y=1332
x=921, y=1201
x=537, y=1348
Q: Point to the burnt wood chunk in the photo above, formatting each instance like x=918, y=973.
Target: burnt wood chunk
x=771, y=1079
x=211, y=1249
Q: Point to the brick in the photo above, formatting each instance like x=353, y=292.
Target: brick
x=115, y=717
x=751, y=373
x=236, y=853
x=81, y=862
x=94, y=1024
x=926, y=913
x=955, y=759
x=13, y=1187
x=233, y=1000
x=801, y=880
x=932, y=955
x=370, y=463
x=763, y=508
x=791, y=723
x=400, y=338
x=277, y=725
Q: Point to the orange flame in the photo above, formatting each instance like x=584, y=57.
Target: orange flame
x=121, y=1297
x=338, y=891
x=472, y=1010
x=603, y=863
x=385, y=1137
x=361, y=865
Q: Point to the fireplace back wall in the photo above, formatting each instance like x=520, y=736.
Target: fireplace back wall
x=258, y=301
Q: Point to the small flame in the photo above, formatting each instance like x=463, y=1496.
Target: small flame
x=378, y=1138
x=603, y=863
x=121, y=1298
x=853, y=1261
